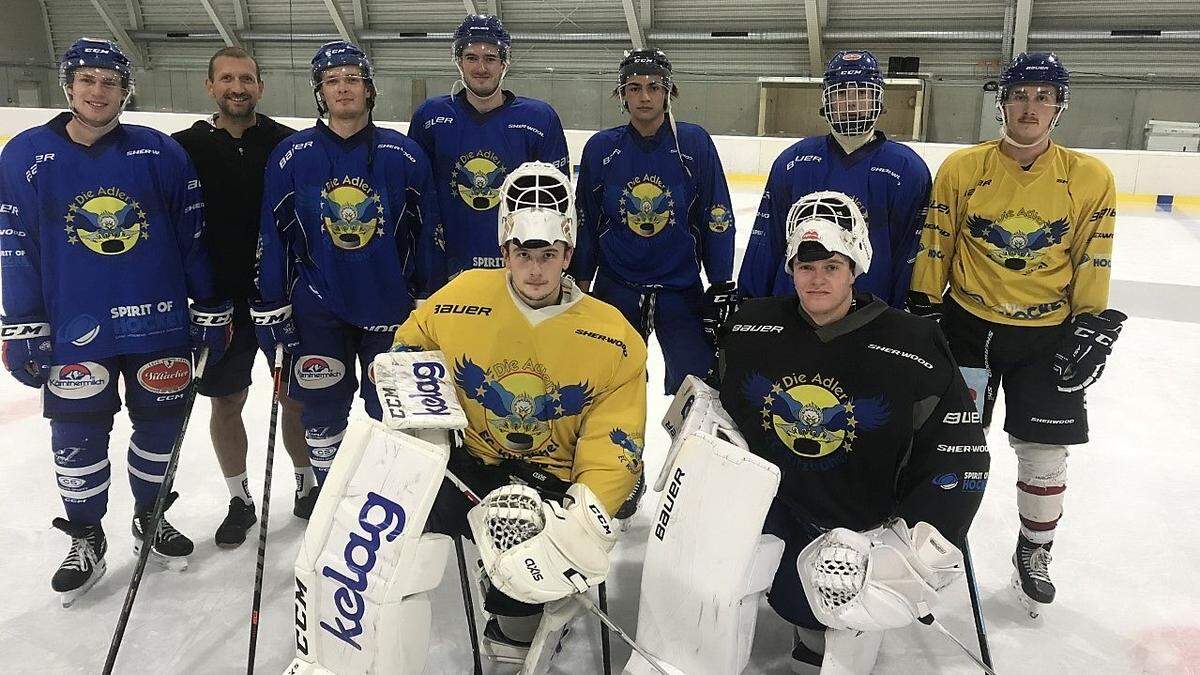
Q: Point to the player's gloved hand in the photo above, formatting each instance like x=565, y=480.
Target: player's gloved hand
x=919, y=304
x=212, y=327
x=27, y=352
x=721, y=300
x=273, y=325
x=1080, y=358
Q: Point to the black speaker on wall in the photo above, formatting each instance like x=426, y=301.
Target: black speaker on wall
x=903, y=65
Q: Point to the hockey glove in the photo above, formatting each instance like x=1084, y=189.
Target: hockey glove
x=1080, y=359
x=212, y=327
x=720, y=302
x=273, y=325
x=920, y=305
x=27, y=352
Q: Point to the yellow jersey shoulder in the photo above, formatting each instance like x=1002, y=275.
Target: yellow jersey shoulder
x=607, y=321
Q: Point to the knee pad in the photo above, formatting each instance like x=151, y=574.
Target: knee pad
x=81, y=466
x=1041, y=482
x=150, y=452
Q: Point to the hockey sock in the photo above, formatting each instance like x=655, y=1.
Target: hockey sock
x=1041, y=487
x=82, y=468
x=323, y=443
x=239, y=486
x=149, y=452
x=305, y=480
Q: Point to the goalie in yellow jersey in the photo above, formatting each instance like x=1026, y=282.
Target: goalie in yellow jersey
x=553, y=384
x=1014, y=260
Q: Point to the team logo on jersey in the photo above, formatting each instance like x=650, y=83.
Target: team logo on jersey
x=165, y=376
x=477, y=179
x=351, y=212
x=719, y=219
x=519, y=403
x=318, y=372
x=78, y=380
x=647, y=205
x=80, y=331
x=813, y=416
x=631, y=449
x=1018, y=239
x=107, y=221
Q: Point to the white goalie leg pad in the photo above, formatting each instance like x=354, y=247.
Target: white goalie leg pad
x=416, y=393
x=696, y=408
x=364, y=566
x=556, y=616
x=850, y=652
x=707, y=559
x=856, y=581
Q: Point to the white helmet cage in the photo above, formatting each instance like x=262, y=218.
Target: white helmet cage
x=852, y=108
x=537, y=204
x=833, y=220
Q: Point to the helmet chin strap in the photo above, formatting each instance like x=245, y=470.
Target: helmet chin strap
x=852, y=142
x=107, y=126
x=498, y=91
x=1041, y=139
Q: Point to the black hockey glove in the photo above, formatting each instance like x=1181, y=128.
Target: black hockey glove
x=1080, y=358
x=919, y=304
x=720, y=302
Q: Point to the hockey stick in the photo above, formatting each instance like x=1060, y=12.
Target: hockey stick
x=277, y=370
x=930, y=620
x=985, y=651
x=605, y=648
x=160, y=503
x=468, y=604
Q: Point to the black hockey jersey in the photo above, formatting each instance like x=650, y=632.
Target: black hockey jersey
x=867, y=418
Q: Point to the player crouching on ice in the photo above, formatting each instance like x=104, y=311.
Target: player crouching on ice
x=847, y=423
x=552, y=388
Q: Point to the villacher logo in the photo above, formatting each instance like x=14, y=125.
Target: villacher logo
x=165, y=376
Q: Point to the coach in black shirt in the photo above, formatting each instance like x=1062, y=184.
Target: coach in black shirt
x=230, y=151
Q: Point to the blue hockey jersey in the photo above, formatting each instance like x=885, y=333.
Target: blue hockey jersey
x=648, y=219
x=354, y=220
x=103, y=242
x=891, y=184
x=471, y=154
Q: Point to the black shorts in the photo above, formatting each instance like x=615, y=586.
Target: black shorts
x=1019, y=358
x=232, y=373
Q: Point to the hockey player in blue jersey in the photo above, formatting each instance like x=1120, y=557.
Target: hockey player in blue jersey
x=347, y=244
x=889, y=180
x=476, y=137
x=653, y=207
x=100, y=249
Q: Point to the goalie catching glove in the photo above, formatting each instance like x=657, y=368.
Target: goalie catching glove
x=538, y=551
x=878, y=580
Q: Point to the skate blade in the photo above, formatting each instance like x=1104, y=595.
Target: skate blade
x=169, y=563
x=70, y=597
x=1031, y=606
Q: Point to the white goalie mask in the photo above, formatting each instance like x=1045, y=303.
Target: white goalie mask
x=822, y=223
x=537, y=204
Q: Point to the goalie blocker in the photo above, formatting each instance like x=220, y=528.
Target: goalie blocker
x=365, y=566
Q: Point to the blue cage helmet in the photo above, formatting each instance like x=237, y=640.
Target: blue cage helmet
x=341, y=53
x=852, y=96
x=485, y=29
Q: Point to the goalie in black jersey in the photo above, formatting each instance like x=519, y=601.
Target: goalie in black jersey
x=871, y=435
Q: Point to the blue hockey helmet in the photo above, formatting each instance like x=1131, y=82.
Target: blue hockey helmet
x=95, y=53
x=341, y=53
x=482, y=28
x=853, y=65
x=1037, y=67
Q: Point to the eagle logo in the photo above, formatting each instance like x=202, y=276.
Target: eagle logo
x=648, y=206
x=477, y=179
x=1018, y=239
x=631, y=455
x=809, y=419
x=350, y=215
x=719, y=219
x=110, y=224
x=520, y=406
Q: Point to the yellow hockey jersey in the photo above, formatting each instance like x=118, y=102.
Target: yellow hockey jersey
x=1019, y=247
x=563, y=387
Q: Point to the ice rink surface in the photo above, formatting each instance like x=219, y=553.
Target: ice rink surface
x=1125, y=561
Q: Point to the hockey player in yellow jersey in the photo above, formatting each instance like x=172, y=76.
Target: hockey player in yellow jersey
x=553, y=384
x=1014, y=260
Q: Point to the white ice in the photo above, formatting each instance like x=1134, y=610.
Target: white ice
x=1125, y=560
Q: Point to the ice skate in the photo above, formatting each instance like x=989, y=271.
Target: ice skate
x=170, y=549
x=1031, y=576
x=84, y=564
